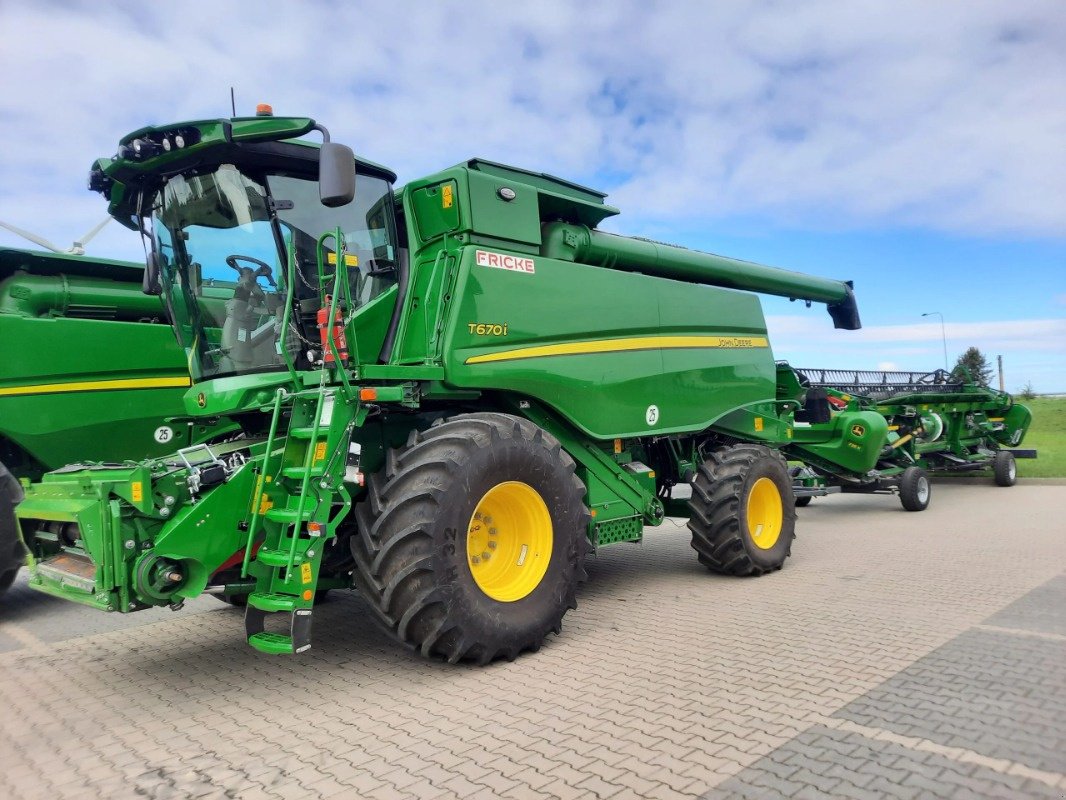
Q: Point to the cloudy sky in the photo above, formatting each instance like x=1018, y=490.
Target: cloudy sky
x=916, y=148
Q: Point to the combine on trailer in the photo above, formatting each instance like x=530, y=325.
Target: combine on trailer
x=932, y=422
x=90, y=371
x=448, y=395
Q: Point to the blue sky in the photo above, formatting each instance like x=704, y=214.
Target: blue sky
x=915, y=148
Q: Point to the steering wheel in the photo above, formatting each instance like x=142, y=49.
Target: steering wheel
x=264, y=269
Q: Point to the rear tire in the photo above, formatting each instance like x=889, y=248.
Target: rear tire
x=743, y=511
x=1005, y=468
x=468, y=486
x=915, y=489
x=803, y=502
x=12, y=553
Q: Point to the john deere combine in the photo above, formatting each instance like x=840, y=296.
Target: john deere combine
x=936, y=422
x=90, y=371
x=448, y=394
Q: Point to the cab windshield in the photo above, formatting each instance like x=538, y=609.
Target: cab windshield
x=223, y=239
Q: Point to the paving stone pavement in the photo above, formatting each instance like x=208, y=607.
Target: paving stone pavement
x=896, y=655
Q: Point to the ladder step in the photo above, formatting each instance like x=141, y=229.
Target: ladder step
x=277, y=558
x=298, y=639
x=306, y=432
x=273, y=643
x=289, y=516
x=272, y=601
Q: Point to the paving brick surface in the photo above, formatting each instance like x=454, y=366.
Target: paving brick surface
x=667, y=682
x=880, y=770
x=1042, y=610
x=997, y=694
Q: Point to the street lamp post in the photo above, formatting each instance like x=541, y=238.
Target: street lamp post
x=943, y=334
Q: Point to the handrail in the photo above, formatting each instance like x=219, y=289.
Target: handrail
x=290, y=298
x=257, y=499
x=340, y=253
x=309, y=460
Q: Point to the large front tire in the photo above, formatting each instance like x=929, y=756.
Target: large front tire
x=472, y=539
x=743, y=511
x=12, y=553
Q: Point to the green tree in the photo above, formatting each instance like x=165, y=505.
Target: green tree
x=977, y=365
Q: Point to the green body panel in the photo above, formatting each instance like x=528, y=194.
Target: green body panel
x=90, y=368
x=607, y=394
x=851, y=442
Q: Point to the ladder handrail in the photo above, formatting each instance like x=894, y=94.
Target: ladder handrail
x=290, y=298
x=309, y=459
x=257, y=499
x=340, y=255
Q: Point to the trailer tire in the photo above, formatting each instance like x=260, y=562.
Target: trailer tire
x=743, y=511
x=803, y=502
x=427, y=515
x=915, y=489
x=1005, y=468
x=12, y=553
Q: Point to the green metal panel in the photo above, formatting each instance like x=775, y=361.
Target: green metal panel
x=80, y=379
x=852, y=441
x=436, y=209
x=603, y=346
x=493, y=217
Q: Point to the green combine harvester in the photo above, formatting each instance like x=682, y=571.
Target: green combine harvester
x=933, y=422
x=90, y=371
x=448, y=394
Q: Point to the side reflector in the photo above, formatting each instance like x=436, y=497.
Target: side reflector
x=368, y=394
x=308, y=594
x=618, y=445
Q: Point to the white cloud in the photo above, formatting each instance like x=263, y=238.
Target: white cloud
x=869, y=113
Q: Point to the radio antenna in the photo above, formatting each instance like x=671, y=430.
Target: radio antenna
x=233, y=100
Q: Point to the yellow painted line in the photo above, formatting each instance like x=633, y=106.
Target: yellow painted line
x=97, y=386
x=623, y=345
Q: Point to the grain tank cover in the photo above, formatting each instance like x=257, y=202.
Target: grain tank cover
x=558, y=198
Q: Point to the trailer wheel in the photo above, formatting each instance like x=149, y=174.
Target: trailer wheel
x=1005, y=468
x=802, y=502
x=914, y=489
x=12, y=553
x=473, y=538
x=743, y=511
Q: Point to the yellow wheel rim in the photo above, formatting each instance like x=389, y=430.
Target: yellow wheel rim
x=765, y=513
x=509, y=541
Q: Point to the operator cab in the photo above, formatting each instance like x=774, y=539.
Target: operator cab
x=223, y=234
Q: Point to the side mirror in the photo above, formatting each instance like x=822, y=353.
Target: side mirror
x=336, y=174
x=150, y=281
